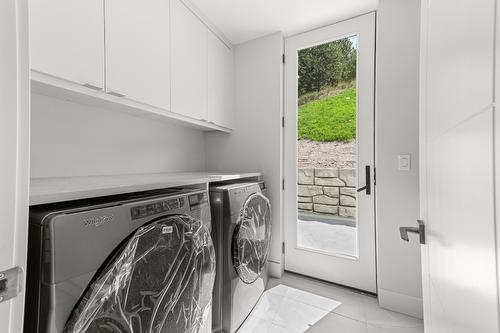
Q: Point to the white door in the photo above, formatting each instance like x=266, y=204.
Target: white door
x=459, y=261
x=189, y=62
x=334, y=241
x=138, y=50
x=14, y=149
x=67, y=40
x=220, y=82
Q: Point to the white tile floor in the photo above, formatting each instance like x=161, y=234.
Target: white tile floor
x=295, y=304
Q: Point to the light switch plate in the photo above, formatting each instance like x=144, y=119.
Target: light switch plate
x=404, y=162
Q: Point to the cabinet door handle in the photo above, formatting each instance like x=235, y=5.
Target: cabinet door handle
x=114, y=93
x=91, y=86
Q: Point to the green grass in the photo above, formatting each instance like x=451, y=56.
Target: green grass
x=329, y=119
x=326, y=92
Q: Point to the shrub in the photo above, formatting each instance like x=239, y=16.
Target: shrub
x=327, y=65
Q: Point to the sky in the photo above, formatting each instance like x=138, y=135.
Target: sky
x=354, y=41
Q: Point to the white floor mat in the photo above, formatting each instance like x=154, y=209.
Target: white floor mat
x=283, y=309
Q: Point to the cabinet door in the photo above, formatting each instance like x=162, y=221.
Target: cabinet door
x=189, y=63
x=138, y=50
x=220, y=82
x=67, y=39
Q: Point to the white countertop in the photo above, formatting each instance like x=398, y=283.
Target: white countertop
x=47, y=190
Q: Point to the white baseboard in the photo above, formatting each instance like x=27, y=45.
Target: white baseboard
x=412, y=306
x=274, y=269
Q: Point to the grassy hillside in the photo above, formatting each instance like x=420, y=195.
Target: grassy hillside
x=329, y=119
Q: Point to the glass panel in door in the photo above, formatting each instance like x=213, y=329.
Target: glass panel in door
x=327, y=151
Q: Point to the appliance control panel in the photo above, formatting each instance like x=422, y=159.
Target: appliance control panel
x=154, y=208
x=198, y=199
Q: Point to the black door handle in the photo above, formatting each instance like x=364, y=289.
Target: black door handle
x=368, y=186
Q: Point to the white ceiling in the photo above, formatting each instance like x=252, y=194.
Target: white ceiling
x=243, y=20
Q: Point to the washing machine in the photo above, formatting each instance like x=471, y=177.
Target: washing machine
x=141, y=262
x=241, y=218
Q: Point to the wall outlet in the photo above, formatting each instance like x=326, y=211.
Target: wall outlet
x=404, y=162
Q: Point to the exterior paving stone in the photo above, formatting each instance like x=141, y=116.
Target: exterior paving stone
x=309, y=190
x=348, y=176
x=329, y=181
x=326, y=172
x=326, y=209
x=347, y=211
x=306, y=176
x=325, y=200
x=346, y=200
x=305, y=206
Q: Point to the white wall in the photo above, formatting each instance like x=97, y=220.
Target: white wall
x=255, y=144
x=397, y=192
x=70, y=139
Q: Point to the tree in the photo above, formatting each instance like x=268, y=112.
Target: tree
x=326, y=65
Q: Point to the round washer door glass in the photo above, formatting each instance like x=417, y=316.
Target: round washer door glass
x=252, y=238
x=164, y=269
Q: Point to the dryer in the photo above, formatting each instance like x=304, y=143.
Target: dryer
x=140, y=262
x=241, y=216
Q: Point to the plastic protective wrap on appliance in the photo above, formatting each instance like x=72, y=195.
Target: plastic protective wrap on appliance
x=253, y=239
x=160, y=280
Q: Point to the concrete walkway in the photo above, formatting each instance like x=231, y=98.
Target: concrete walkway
x=327, y=237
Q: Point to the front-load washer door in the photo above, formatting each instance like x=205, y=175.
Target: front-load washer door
x=252, y=238
x=160, y=280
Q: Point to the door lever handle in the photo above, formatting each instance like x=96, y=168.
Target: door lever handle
x=367, y=187
x=420, y=230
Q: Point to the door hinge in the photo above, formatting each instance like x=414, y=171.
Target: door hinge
x=283, y=247
x=283, y=58
x=283, y=122
x=374, y=176
x=10, y=283
x=283, y=184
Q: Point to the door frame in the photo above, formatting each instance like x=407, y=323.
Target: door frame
x=308, y=39
x=423, y=161
x=14, y=145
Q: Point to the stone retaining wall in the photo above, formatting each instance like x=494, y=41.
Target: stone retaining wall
x=330, y=191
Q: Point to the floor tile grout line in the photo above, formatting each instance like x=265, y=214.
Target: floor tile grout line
x=347, y=317
x=377, y=324
x=286, y=328
x=387, y=325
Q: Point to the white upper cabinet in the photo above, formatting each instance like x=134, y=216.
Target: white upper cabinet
x=67, y=40
x=220, y=82
x=154, y=56
x=138, y=50
x=189, y=62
